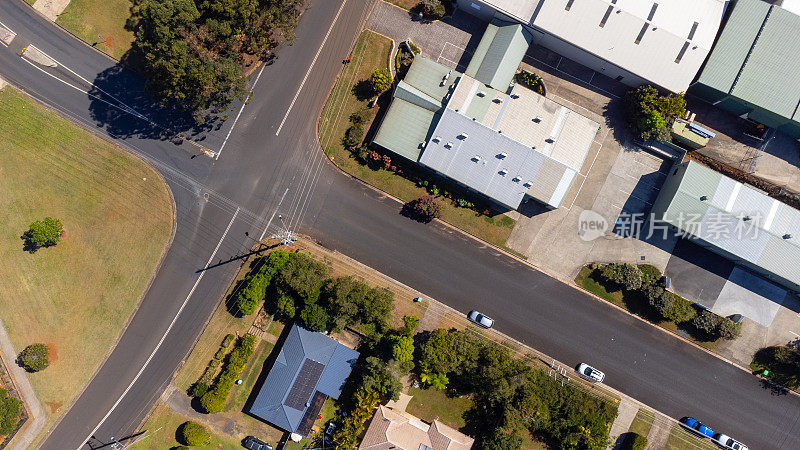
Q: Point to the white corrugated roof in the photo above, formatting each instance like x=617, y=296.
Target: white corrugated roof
x=665, y=27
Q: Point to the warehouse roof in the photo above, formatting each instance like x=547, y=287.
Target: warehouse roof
x=309, y=363
x=757, y=58
x=664, y=42
x=499, y=53
x=735, y=218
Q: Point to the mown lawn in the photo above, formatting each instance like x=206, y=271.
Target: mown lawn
x=160, y=431
x=117, y=216
x=370, y=53
x=642, y=422
x=680, y=439
x=429, y=404
x=89, y=18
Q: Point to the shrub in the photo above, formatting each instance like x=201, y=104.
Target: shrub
x=707, y=323
x=627, y=276
x=361, y=117
x=214, y=400
x=353, y=136
x=425, y=208
x=214, y=363
x=248, y=299
x=663, y=303
x=410, y=322
x=650, y=274
x=633, y=441
x=432, y=9
x=360, y=152
x=682, y=310
x=380, y=80
x=35, y=357
x=729, y=330
x=193, y=434
x=9, y=412
x=315, y=317
x=42, y=233
x=528, y=79
x=651, y=112
x=228, y=340
x=220, y=354
x=198, y=389
x=403, y=348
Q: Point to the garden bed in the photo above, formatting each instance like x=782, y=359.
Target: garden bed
x=782, y=364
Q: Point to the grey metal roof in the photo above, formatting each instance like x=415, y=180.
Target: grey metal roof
x=735, y=218
x=499, y=54
x=757, y=58
x=308, y=362
x=493, y=163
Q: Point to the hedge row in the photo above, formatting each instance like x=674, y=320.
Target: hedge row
x=214, y=400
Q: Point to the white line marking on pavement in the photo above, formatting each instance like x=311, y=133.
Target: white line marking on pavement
x=790, y=331
x=310, y=67
x=273, y=215
x=161, y=341
x=219, y=152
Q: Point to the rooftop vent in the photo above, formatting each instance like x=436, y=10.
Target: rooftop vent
x=549, y=140
x=476, y=158
x=463, y=136
x=481, y=94
x=517, y=179
x=503, y=172
x=502, y=155
x=787, y=236
x=528, y=184
x=437, y=139
x=497, y=100
x=703, y=198
x=746, y=218
x=448, y=145
x=537, y=119
x=514, y=96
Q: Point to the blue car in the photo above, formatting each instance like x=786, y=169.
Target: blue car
x=696, y=426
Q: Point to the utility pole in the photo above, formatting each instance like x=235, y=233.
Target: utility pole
x=286, y=237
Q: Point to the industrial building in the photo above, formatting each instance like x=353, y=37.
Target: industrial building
x=504, y=141
x=662, y=42
x=754, y=68
x=734, y=220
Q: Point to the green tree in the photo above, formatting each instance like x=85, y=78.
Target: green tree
x=728, y=330
x=436, y=381
x=425, y=208
x=380, y=80
x=301, y=278
x=250, y=297
x=432, y=9
x=192, y=434
x=707, y=322
x=502, y=439
x=35, y=357
x=411, y=323
x=353, y=136
x=315, y=317
x=286, y=306
x=681, y=310
x=344, y=297
x=403, y=348
x=378, y=377
x=628, y=276
x=651, y=122
x=43, y=233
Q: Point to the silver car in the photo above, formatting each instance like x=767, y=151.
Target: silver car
x=725, y=441
x=481, y=319
x=591, y=373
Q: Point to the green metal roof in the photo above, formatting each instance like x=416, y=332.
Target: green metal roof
x=404, y=128
x=733, y=218
x=757, y=58
x=427, y=76
x=499, y=53
x=413, y=95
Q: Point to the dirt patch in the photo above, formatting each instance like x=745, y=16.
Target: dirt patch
x=54, y=406
x=51, y=348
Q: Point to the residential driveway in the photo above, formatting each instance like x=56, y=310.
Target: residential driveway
x=697, y=274
x=449, y=42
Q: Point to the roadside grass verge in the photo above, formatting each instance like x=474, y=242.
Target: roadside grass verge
x=634, y=302
x=680, y=439
x=117, y=215
x=160, y=432
x=642, y=422
x=87, y=19
x=371, y=52
x=405, y=4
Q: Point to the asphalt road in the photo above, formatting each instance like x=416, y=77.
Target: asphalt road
x=223, y=206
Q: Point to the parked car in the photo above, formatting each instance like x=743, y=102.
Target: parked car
x=725, y=441
x=481, y=319
x=698, y=427
x=254, y=443
x=591, y=373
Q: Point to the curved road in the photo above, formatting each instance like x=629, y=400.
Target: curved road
x=224, y=206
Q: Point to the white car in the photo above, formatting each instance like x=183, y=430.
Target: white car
x=480, y=319
x=591, y=373
x=725, y=441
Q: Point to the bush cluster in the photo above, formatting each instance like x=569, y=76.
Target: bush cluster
x=782, y=362
x=425, y=208
x=715, y=327
x=625, y=275
x=35, y=357
x=192, y=434
x=353, y=136
x=432, y=9
x=380, y=80
x=651, y=112
x=10, y=408
x=247, y=299
x=214, y=400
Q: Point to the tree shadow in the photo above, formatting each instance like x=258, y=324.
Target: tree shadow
x=363, y=90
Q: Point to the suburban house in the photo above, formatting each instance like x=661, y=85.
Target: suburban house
x=662, y=42
x=497, y=138
x=393, y=429
x=754, y=68
x=309, y=368
x=734, y=220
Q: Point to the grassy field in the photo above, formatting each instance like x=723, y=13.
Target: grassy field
x=117, y=216
x=89, y=18
x=371, y=52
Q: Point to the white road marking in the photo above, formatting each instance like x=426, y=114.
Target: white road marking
x=219, y=152
x=790, y=331
x=311, y=67
x=161, y=341
x=273, y=215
